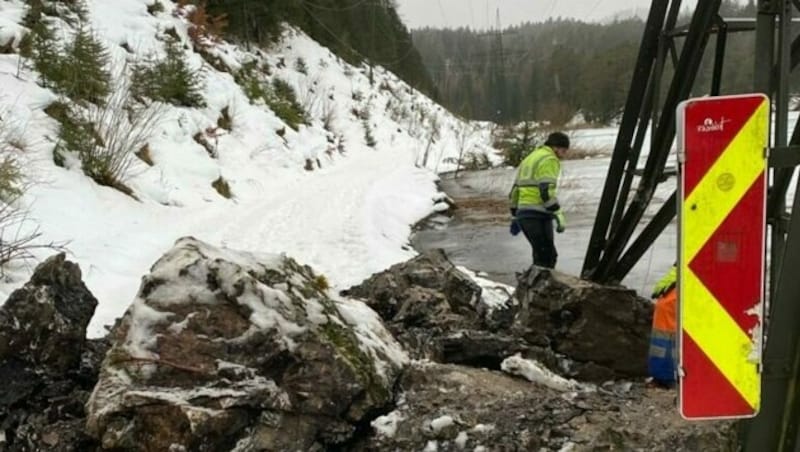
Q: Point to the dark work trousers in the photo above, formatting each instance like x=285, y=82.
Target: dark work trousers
x=539, y=232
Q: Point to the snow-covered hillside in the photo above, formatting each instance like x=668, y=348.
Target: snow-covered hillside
x=321, y=194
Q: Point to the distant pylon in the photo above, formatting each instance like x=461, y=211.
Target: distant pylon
x=498, y=73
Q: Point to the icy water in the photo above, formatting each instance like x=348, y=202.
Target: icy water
x=477, y=235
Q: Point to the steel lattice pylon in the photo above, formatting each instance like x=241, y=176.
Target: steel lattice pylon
x=613, y=250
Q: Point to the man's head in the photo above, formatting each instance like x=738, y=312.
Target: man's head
x=559, y=142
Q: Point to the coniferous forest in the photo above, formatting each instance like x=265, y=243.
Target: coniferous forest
x=550, y=71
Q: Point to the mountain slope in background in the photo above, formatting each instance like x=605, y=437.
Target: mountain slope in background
x=339, y=193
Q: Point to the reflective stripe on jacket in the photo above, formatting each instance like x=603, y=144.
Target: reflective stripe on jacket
x=661, y=360
x=540, y=167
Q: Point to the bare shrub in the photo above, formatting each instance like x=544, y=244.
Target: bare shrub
x=19, y=233
x=205, y=29
x=328, y=113
x=311, y=97
x=106, y=138
x=465, y=139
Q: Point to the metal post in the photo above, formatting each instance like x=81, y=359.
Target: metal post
x=783, y=176
x=685, y=74
x=641, y=74
x=649, y=114
x=666, y=45
x=659, y=69
x=781, y=101
x=633, y=155
x=719, y=56
x=775, y=429
x=765, y=46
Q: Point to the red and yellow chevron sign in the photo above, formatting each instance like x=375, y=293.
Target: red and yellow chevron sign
x=722, y=229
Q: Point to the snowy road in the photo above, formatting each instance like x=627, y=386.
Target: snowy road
x=338, y=220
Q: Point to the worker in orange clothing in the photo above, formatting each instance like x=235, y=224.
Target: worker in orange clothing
x=661, y=360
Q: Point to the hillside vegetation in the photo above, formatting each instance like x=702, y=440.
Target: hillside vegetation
x=357, y=30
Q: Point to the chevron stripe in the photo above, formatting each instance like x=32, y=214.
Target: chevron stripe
x=714, y=394
x=719, y=336
x=707, y=206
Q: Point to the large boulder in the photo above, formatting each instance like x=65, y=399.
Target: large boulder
x=224, y=350
x=455, y=408
x=440, y=312
x=449, y=315
x=603, y=330
x=45, y=321
x=398, y=292
x=47, y=366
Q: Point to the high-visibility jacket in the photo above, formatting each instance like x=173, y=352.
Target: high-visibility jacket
x=666, y=283
x=662, y=357
x=535, y=186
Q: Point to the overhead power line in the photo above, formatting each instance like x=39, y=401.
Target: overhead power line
x=591, y=11
x=444, y=16
x=552, y=7
x=411, y=47
x=336, y=9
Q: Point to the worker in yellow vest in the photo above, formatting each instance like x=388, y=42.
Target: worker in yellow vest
x=534, y=205
x=662, y=357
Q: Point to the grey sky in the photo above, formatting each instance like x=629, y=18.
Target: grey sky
x=481, y=13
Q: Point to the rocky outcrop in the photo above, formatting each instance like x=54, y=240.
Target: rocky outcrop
x=603, y=330
x=576, y=328
x=439, y=312
x=224, y=350
x=454, y=408
x=47, y=367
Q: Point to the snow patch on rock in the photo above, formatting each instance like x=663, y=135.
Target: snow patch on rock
x=386, y=425
x=537, y=373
